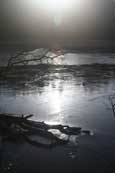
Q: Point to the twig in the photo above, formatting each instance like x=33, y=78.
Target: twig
x=112, y=104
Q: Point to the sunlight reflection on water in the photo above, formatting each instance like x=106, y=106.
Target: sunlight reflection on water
x=73, y=98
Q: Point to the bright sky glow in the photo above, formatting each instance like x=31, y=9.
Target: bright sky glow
x=55, y=7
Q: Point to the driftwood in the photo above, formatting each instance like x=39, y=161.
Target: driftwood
x=15, y=127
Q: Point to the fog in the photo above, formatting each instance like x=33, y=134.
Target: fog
x=28, y=20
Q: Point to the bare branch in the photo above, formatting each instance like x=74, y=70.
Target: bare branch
x=14, y=57
x=112, y=102
x=25, y=61
x=22, y=58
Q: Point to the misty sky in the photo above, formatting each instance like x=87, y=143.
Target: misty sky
x=83, y=20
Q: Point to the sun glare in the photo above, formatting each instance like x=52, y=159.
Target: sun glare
x=56, y=9
x=56, y=5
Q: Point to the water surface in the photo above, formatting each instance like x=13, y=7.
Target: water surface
x=73, y=95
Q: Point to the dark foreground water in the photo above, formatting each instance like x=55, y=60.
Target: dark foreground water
x=72, y=95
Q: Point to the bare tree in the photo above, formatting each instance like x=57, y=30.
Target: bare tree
x=20, y=57
x=38, y=56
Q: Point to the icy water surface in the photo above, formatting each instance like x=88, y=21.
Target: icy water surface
x=73, y=95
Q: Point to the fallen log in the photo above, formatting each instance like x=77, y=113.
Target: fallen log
x=20, y=126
